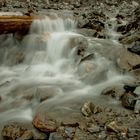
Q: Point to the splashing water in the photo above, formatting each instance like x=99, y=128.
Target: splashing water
x=49, y=56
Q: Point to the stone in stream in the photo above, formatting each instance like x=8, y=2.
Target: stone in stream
x=135, y=48
x=137, y=91
x=114, y=92
x=44, y=124
x=128, y=100
x=130, y=88
x=14, y=132
x=87, y=57
x=127, y=60
x=48, y=119
x=137, y=107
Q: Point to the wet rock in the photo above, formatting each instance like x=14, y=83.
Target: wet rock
x=137, y=91
x=46, y=92
x=14, y=132
x=127, y=60
x=56, y=136
x=128, y=100
x=88, y=109
x=20, y=57
x=44, y=124
x=113, y=127
x=130, y=38
x=130, y=88
x=135, y=48
x=95, y=24
x=137, y=107
x=114, y=92
x=87, y=57
x=82, y=22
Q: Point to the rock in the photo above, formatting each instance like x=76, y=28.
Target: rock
x=93, y=128
x=137, y=91
x=82, y=135
x=113, y=127
x=44, y=124
x=135, y=48
x=13, y=132
x=69, y=131
x=38, y=135
x=114, y=92
x=79, y=44
x=82, y=22
x=130, y=88
x=87, y=57
x=88, y=109
x=102, y=135
x=3, y=3
x=132, y=132
x=137, y=107
x=127, y=60
x=20, y=57
x=56, y=136
x=130, y=38
x=46, y=92
x=128, y=100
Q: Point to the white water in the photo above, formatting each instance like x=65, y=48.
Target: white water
x=51, y=61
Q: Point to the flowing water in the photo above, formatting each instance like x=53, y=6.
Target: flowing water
x=47, y=59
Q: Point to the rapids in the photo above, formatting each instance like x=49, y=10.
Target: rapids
x=47, y=58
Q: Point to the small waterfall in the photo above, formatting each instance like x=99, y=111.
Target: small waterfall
x=51, y=59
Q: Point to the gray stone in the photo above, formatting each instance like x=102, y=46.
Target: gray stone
x=93, y=129
x=70, y=131
x=56, y=136
x=137, y=107
x=137, y=90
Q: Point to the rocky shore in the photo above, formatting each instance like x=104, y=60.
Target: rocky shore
x=88, y=118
